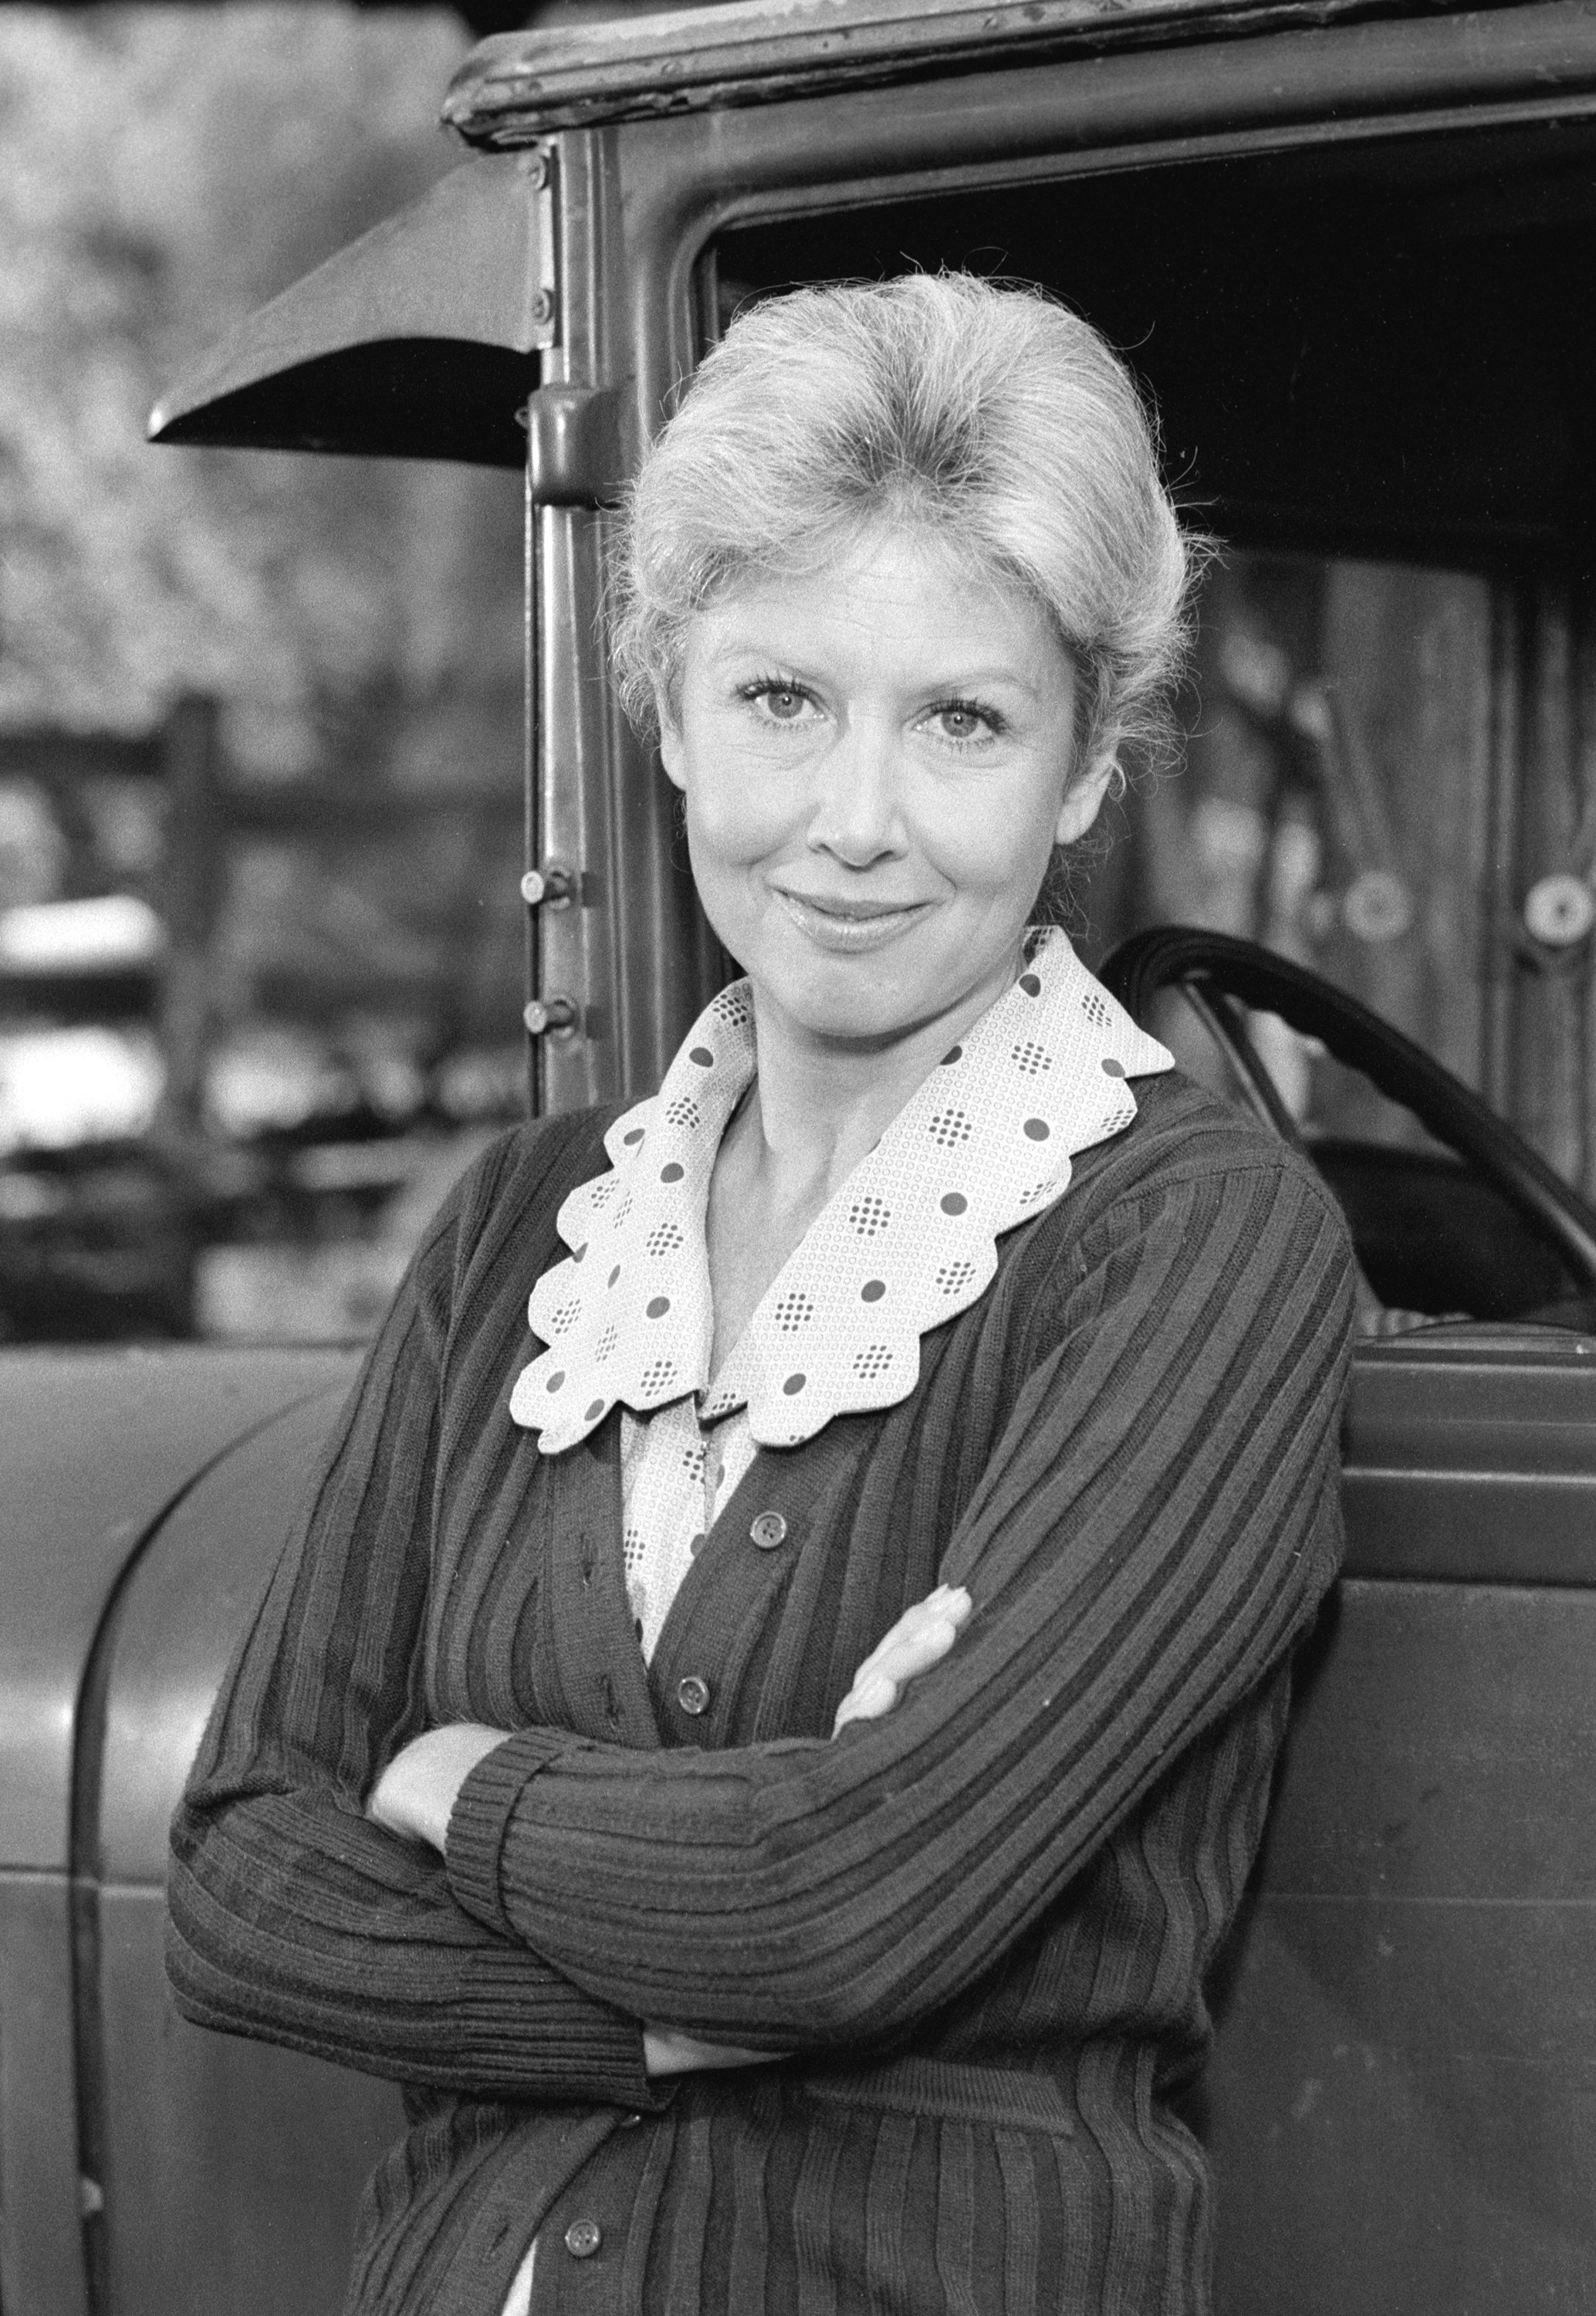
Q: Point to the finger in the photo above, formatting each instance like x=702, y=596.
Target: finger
x=867, y=1700
x=921, y=1637
x=948, y=1604
x=915, y=1652
x=666, y=2053
x=881, y=1681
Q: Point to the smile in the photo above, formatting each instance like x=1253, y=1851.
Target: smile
x=848, y=927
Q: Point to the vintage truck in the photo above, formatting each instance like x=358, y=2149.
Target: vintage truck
x=1349, y=245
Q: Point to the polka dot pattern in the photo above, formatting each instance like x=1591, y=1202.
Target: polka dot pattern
x=673, y=1489
x=867, y=1217
x=980, y=1148
x=949, y=1127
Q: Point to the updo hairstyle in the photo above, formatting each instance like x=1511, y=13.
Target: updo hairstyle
x=992, y=419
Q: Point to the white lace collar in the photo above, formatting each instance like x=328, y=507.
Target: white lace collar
x=905, y=1244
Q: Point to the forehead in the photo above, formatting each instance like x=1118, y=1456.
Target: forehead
x=892, y=596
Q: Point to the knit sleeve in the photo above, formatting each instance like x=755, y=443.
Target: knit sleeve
x=1152, y=1535
x=293, y=1917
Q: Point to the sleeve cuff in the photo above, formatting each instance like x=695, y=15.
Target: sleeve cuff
x=474, y=1842
x=556, y=2043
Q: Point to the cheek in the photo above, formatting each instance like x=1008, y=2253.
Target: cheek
x=725, y=842
x=996, y=842
x=732, y=821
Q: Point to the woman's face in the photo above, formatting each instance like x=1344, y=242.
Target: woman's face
x=877, y=762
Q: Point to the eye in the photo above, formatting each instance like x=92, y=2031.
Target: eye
x=776, y=701
x=963, y=721
x=783, y=703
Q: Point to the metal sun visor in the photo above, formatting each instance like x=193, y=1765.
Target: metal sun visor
x=419, y=341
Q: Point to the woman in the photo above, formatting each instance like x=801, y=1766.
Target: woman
x=925, y=1327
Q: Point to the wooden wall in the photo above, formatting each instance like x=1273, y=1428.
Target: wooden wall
x=1386, y=765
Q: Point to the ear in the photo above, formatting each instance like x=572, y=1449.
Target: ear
x=673, y=756
x=672, y=753
x=1083, y=798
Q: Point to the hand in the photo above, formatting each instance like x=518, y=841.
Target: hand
x=667, y=2053
x=921, y=1638
x=415, y=1795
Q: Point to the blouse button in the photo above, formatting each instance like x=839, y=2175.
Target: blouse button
x=768, y=1530
x=693, y=1695
x=584, y=2238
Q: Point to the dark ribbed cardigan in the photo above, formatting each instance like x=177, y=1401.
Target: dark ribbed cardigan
x=980, y=1925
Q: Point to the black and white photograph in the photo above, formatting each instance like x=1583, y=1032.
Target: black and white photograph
x=798, y=1158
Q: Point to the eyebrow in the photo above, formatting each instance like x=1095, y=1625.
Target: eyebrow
x=962, y=681
x=976, y=677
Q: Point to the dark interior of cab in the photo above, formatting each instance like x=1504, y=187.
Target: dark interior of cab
x=1371, y=345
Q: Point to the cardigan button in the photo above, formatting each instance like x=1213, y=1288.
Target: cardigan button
x=693, y=1695
x=584, y=2238
x=768, y=1530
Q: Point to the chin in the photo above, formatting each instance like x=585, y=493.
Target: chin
x=844, y=1024
x=877, y=993
x=855, y=997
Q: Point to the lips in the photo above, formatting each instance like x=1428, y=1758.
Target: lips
x=846, y=927
x=851, y=911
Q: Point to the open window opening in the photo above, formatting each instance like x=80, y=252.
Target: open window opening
x=1375, y=389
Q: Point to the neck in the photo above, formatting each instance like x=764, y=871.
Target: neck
x=817, y=1105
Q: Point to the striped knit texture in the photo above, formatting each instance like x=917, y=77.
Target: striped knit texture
x=978, y=1926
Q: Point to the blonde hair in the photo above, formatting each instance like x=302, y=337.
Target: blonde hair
x=992, y=418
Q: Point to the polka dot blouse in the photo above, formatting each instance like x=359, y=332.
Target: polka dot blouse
x=907, y=1242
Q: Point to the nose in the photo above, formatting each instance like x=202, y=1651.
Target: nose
x=855, y=812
